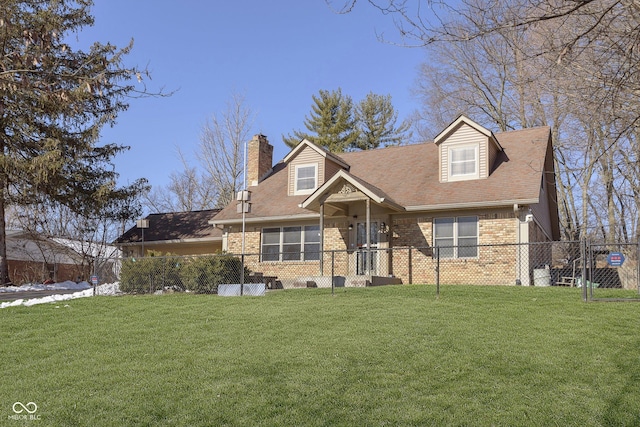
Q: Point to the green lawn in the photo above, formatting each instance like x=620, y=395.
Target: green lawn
x=365, y=357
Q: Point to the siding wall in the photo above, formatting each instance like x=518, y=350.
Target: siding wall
x=326, y=168
x=493, y=155
x=465, y=134
x=541, y=211
x=306, y=156
x=330, y=169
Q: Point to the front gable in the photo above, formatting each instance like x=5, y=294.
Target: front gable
x=466, y=151
x=342, y=189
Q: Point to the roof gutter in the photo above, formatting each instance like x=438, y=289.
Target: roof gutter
x=172, y=241
x=298, y=217
x=445, y=206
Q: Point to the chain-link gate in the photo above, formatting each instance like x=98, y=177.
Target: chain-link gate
x=612, y=272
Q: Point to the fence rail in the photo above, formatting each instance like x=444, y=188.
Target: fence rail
x=573, y=264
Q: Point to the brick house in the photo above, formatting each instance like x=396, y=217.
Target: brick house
x=34, y=258
x=467, y=188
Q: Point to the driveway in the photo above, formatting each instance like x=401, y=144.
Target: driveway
x=12, y=296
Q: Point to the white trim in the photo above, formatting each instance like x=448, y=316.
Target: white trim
x=462, y=119
x=297, y=192
x=254, y=220
x=467, y=176
x=350, y=179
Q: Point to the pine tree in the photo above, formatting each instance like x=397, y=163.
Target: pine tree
x=53, y=102
x=377, y=123
x=332, y=123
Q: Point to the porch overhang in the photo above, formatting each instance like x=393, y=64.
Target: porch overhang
x=343, y=188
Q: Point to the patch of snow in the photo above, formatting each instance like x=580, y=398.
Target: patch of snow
x=106, y=289
x=68, y=285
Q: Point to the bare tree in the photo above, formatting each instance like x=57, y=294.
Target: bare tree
x=608, y=31
x=88, y=238
x=222, y=142
x=215, y=179
x=519, y=63
x=188, y=190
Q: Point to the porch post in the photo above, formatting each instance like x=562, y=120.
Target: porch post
x=368, y=234
x=321, y=239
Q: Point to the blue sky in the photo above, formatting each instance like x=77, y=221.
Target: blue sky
x=276, y=53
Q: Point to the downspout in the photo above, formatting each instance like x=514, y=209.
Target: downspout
x=322, y=239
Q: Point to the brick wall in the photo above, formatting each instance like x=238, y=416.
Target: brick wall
x=22, y=272
x=495, y=264
x=336, y=234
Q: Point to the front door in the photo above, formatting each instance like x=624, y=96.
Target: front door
x=367, y=258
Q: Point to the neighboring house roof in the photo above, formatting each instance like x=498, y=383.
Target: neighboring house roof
x=25, y=246
x=409, y=177
x=174, y=227
x=92, y=249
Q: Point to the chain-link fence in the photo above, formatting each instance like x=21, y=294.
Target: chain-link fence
x=572, y=264
x=610, y=268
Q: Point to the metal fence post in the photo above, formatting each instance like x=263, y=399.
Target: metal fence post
x=410, y=267
x=437, y=272
x=242, y=273
x=638, y=265
x=583, y=254
x=333, y=277
x=95, y=273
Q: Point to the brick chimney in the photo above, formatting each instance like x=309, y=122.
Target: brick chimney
x=259, y=159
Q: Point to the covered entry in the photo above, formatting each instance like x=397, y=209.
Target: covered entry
x=366, y=211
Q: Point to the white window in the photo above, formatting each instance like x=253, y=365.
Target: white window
x=463, y=162
x=291, y=243
x=306, y=179
x=456, y=237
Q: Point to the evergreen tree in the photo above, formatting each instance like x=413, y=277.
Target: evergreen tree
x=377, y=123
x=335, y=124
x=53, y=102
x=332, y=123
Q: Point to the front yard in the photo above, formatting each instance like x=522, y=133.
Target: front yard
x=367, y=356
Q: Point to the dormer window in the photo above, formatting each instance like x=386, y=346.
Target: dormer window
x=306, y=178
x=463, y=162
x=466, y=151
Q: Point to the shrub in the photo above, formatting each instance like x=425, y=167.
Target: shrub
x=204, y=274
x=151, y=273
